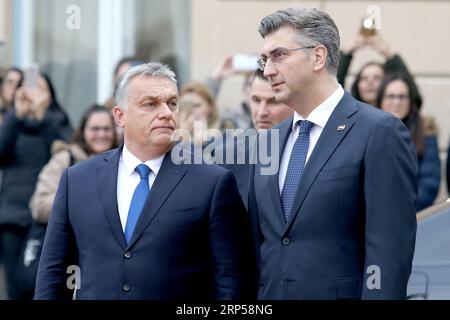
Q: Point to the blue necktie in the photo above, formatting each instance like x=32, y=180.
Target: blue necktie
x=295, y=167
x=137, y=202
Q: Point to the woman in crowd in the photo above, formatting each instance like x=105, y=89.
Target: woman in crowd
x=199, y=112
x=94, y=136
x=10, y=82
x=395, y=96
x=368, y=79
x=367, y=82
x=28, y=130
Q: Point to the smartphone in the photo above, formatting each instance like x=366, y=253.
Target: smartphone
x=368, y=27
x=245, y=62
x=31, y=75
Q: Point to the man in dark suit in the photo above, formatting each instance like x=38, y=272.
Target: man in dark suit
x=337, y=221
x=137, y=224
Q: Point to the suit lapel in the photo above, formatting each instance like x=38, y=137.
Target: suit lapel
x=168, y=177
x=329, y=140
x=107, y=190
x=273, y=180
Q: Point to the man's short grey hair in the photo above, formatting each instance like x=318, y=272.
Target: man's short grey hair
x=313, y=27
x=150, y=69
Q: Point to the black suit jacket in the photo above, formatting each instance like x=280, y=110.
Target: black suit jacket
x=187, y=243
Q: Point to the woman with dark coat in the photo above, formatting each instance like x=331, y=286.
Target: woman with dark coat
x=396, y=96
x=26, y=135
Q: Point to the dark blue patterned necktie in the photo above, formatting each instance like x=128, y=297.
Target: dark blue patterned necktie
x=295, y=167
x=137, y=202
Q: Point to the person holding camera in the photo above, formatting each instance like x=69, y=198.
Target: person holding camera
x=235, y=65
x=26, y=136
x=8, y=86
x=368, y=79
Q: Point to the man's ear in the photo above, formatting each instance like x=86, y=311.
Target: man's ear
x=320, y=57
x=119, y=116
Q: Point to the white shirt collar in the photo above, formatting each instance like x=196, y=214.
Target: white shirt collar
x=320, y=115
x=130, y=162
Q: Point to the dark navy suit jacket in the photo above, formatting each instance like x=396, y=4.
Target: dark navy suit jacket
x=354, y=212
x=243, y=146
x=187, y=244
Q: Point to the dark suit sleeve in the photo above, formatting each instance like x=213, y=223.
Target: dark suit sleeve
x=231, y=244
x=58, y=251
x=390, y=188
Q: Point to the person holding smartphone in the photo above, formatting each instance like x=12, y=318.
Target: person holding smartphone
x=368, y=78
x=26, y=137
x=242, y=65
x=8, y=86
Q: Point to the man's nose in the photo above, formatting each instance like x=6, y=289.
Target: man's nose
x=166, y=112
x=263, y=109
x=269, y=69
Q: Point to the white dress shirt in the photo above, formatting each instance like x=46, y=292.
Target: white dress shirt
x=128, y=179
x=319, y=117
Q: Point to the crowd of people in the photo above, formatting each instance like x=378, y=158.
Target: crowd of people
x=220, y=210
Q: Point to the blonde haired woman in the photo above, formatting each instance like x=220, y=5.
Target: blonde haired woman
x=198, y=110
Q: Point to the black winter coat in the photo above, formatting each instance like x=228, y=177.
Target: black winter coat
x=25, y=147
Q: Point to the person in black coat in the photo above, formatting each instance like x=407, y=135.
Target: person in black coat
x=26, y=135
x=8, y=85
x=396, y=96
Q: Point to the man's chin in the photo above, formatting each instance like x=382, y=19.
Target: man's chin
x=161, y=140
x=264, y=126
x=281, y=96
x=163, y=130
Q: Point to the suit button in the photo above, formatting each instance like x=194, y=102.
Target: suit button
x=126, y=287
x=286, y=241
x=127, y=255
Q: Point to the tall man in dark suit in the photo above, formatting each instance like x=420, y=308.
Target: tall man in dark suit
x=338, y=220
x=138, y=225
